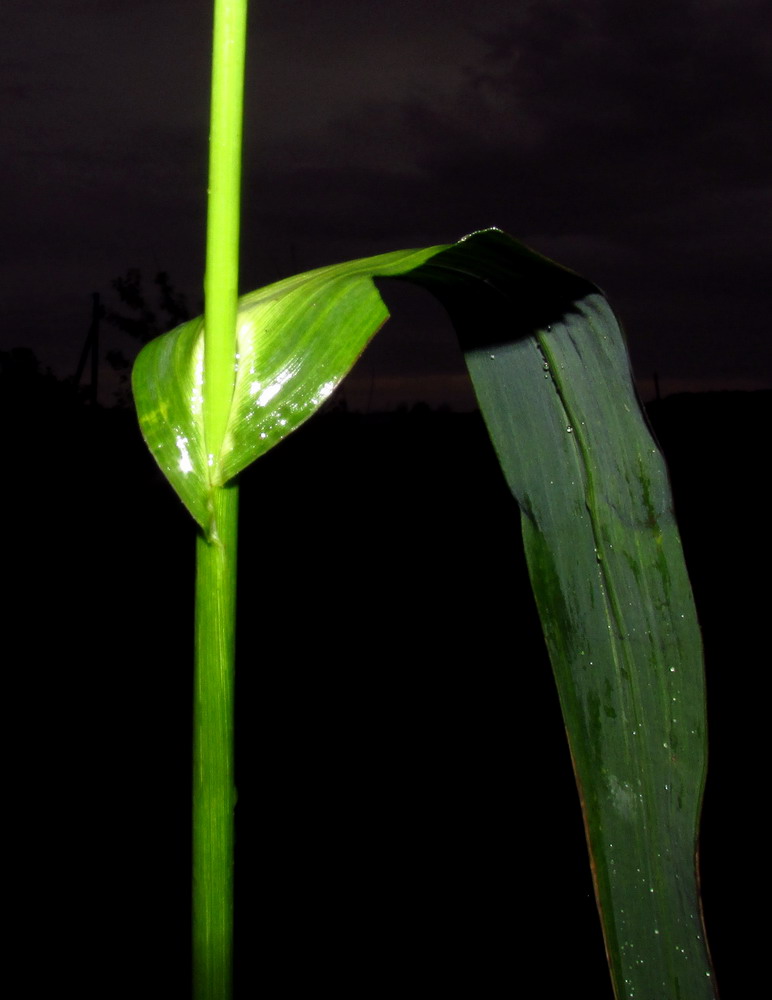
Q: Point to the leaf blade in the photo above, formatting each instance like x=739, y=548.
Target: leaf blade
x=296, y=340
x=167, y=382
x=615, y=601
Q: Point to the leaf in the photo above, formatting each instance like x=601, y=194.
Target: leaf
x=551, y=373
x=296, y=340
x=550, y=369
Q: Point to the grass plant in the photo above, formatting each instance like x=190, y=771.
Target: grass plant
x=550, y=369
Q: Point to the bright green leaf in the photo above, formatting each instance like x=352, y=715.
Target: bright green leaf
x=296, y=340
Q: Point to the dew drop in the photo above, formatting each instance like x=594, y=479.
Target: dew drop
x=570, y=429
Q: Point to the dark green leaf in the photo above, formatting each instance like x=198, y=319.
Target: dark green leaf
x=551, y=373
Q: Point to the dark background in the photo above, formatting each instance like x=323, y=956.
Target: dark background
x=407, y=819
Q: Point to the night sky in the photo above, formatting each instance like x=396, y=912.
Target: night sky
x=629, y=141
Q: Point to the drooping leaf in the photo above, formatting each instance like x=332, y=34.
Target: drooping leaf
x=551, y=373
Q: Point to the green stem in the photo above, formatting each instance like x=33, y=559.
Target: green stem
x=214, y=792
x=224, y=207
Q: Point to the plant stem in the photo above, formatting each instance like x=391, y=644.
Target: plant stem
x=214, y=792
x=224, y=207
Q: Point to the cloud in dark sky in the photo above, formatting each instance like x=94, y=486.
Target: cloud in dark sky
x=620, y=112
x=628, y=140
